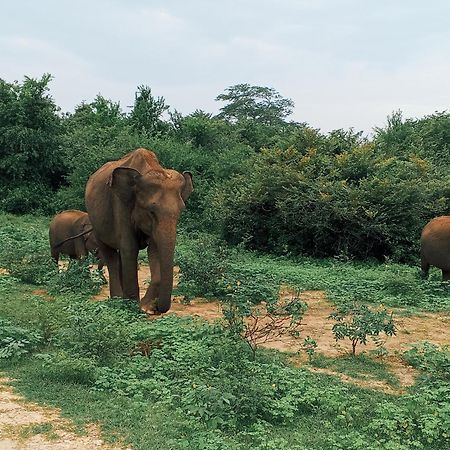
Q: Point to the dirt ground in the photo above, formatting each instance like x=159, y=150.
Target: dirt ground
x=27, y=426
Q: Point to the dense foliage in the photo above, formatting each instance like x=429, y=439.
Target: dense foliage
x=260, y=180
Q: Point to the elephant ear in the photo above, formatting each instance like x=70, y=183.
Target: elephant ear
x=123, y=182
x=188, y=186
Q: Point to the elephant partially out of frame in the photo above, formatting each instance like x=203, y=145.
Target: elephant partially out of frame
x=435, y=246
x=71, y=234
x=134, y=203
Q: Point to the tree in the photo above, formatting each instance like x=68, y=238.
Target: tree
x=357, y=321
x=31, y=167
x=147, y=111
x=262, y=104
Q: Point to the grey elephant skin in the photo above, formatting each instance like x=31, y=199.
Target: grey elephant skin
x=134, y=203
x=67, y=224
x=435, y=246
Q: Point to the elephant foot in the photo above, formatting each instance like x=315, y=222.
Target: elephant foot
x=150, y=306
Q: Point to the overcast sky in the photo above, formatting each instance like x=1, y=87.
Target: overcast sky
x=345, y=63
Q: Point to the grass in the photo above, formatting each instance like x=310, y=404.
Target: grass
x=390, y=284
x=360, y=366
x=172, y=398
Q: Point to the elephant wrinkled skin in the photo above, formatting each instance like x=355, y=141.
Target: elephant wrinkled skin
x=67, y=224
x=134, y=203
x=435, y=246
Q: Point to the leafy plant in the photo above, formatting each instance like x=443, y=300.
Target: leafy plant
x=357, y=321
x=15, y=341
x=203, y=266
x=309, y=346
x=432, y=359
x=79, y=278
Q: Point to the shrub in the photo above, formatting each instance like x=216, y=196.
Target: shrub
x=26, y=254
x=15, y=341
x=64, y=367
x=432, y=359
x=79, y=278
x=357, y=321
x=94, y=330
x=359, y=202
x=203, y=265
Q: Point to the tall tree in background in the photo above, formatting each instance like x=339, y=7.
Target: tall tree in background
x=30, y=134
x=262, y=104
x=147, y=111
x=258, y=112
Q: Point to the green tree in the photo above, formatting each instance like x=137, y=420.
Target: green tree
x=147, y=111
x=262, y=104
x=96, y=132
x=31, y=167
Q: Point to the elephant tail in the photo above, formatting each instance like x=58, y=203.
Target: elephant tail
x=73, y=237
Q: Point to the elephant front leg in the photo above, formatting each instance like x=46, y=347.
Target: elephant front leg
x=149, y=302
x=129, y=272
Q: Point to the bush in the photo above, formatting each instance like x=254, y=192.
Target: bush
x=430, y=358
x=15, y=341
x=358, y=203
x=26, y=254
x=203, y=265
x=357, y=321
x=79, y=278
x=94, y=330
x=67, y=368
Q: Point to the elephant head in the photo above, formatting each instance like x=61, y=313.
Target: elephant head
x=155, y=199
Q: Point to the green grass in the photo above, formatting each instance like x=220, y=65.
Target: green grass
x=196, y=387
x=360, y=366
x=390, y=284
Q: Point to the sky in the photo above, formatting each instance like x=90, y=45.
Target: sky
x=345, y=63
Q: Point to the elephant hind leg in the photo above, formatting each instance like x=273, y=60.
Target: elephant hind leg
x=425, y=266
x=112, y=261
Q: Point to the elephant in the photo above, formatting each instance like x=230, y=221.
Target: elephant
x=135, y=203
x=70, y=233
x=435, y=246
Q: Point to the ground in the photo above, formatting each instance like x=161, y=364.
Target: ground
x=24, y=425
x=27, y=426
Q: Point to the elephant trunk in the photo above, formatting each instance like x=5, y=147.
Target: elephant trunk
x=166, y=247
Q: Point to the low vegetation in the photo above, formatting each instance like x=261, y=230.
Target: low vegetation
x=184, y=383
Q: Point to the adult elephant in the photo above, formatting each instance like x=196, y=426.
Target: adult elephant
x=134, y=203
x=70, y=233
x=435, y=246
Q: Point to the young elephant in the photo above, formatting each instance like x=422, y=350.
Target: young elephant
x=66, y=225
x=435, y=246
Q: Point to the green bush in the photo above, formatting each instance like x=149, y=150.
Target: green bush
x=25, y=254
x=15, y=341
x=64, y=367
x=203, y=266
x=95, y=330
x=358, y=203
x=430, y=358
x=357, y=321
x=79, y=278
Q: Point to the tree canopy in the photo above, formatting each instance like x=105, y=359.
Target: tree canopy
x=258, y=103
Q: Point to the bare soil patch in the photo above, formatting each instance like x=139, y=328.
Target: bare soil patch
x=27, y=426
